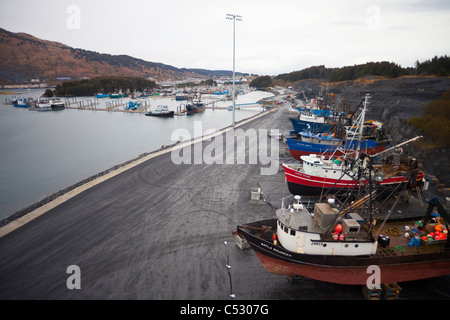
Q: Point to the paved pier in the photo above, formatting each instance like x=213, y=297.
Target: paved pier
x=157, y=231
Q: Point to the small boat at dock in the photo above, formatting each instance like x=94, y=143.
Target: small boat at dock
x=161, y=111
x=56, y=104
x=42, y=104
x=134, y=104
x=180, y=97
x=195, y=107
x=117, y=95
x=21, y=102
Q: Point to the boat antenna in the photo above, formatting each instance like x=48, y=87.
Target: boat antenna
x=361, y=125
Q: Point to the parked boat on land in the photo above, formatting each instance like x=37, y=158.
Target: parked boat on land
x=316, y=175
x=299, y=148
x=338, y=245
x=302, y=125
x=362, y=136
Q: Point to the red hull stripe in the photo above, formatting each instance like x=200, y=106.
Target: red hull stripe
x=297, y=177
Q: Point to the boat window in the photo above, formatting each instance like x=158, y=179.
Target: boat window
x=292, y=232
x=346, y=245
x=324, y=244
x=285, y=229
x=356, y=245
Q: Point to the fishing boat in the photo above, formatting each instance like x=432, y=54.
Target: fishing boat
x=320, y=138
x=195, y=106
x=316, y=175
x=161, y=111
x=333, y=147
x=301, y=124
x=102, y=95
x=343, y=245
x=317, y=112
x=363, y=136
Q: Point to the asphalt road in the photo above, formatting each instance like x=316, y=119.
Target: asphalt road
x=157, y=231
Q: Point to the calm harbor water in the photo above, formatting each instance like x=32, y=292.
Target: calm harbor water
x=44, y=152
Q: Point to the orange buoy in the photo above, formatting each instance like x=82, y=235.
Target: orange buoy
x=338, y=228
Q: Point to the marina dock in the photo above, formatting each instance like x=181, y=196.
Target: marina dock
x=157, y=230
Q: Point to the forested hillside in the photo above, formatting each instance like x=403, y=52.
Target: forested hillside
x=102, y=85
x=436, y=66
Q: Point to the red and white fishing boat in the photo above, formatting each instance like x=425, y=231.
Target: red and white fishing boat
x=316, y=175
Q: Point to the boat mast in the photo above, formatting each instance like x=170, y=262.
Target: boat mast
x=361, y=123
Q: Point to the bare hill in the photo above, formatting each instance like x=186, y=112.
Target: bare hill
x=24, y=57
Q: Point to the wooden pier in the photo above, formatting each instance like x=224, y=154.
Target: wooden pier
x=89, y=104
x=115, y=105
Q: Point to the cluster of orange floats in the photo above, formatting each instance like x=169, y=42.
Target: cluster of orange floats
x=440, y=233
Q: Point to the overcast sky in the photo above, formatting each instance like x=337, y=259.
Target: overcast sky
x=274, y=37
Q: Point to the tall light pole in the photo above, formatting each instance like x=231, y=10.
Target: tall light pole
x=234, y=17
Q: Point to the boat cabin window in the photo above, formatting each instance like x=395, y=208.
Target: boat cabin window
x=292, y=232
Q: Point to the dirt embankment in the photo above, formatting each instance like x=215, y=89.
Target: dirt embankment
x=393, y=102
